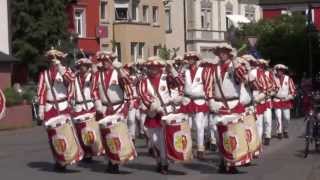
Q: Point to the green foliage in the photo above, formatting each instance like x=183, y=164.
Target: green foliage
x=164, y=53
x=37, y=25
x=283, y=40
x=12, y=97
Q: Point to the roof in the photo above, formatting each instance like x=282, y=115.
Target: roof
x=7, y=58
x=279, y=2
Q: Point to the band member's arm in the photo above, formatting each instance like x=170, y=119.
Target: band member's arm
x=240, y=74
x=142, y=91
x=208, y=80
x=95, y=91
x=292, y=89
x=41, y=95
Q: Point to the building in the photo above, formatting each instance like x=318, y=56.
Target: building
x=4, y=27
x=274, y=8
x=132, y=28
x=200, y=25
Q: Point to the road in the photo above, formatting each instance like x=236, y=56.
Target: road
x=25, y=154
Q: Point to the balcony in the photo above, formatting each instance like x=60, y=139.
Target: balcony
x=200, y=35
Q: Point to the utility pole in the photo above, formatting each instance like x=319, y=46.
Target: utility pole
x=309, y=34
x=185, y=25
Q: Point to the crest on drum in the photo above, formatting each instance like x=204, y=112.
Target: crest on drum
x=88, y=136
x=230, y=143
x=114, y=145
x=59, y=144
x=181, y=143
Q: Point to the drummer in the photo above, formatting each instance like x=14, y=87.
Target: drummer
x=84, y=105
x=109, y=80
x=259, y=86
x=227, y=77
x=283, y=99
x=155, y=95
x=194, y=101
x=55, y=90
x=271, y=90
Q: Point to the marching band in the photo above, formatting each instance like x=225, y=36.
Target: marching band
x=97, y=110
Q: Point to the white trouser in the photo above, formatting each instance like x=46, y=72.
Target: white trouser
x=142, y=120
x=259, y=124
x=283, y=118
x=267, y=120
x=132, y=117
x=158, y=144
x=200, y=119
x=213, y=128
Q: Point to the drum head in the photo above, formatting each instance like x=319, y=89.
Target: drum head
x=2, y=105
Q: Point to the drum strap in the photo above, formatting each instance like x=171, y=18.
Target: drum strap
x=82, y=94
x=109, y=104
x=52, y=92
x=159, y=97
x=220, y=89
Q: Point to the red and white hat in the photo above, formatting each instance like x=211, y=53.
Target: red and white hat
x=224, y=48
x=55, y=54
x=84, y=61
x=105, y=56
x=264, y=62
x=191, y=55
x=281, y=67
x=155, y=61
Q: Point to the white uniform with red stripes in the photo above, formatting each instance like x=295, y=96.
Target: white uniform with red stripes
x=258, y=82
x=283, y=102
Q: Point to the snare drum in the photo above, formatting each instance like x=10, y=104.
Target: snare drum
x=63, y=140
x=116, y=139
x=254, y=142
x=2, y=105
x=89, y=134
x=178, y=137
x=233, y=143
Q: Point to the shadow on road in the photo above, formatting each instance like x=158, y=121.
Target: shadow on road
x=99, y=167
x=300, y=153
x=152, y=168
x=48, y=167
x=202, y=168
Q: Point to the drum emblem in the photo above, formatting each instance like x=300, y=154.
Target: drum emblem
x=114, y=145
x=88, y=137
x=230, y=143
x=181, y=143
x=59, y=145
x=248, y=135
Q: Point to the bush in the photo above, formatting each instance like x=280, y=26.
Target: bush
x=13, y=98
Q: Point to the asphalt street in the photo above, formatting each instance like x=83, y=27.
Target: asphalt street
x=25, y=154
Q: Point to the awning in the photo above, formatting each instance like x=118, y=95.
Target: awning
x=121, y=5
x=7, y=58
x=238, y=19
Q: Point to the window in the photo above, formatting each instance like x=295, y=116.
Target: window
x=145, y=14
x=156, y=50
x=137, y=50
x=250, y=13
x=206, y=18
x=103, y=10
x=121, y=10
x=168, y=20
x=79, y=17
x=229, y=8
x=155, y=14
x=206, y=14
x=135, y=10
x=118, y=51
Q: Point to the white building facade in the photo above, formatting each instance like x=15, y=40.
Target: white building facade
x=206, y=22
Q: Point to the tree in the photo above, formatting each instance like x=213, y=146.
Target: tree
x=38, y=25
x=283, y=40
